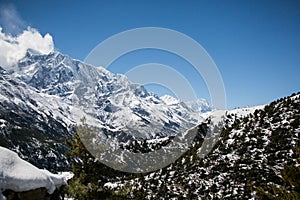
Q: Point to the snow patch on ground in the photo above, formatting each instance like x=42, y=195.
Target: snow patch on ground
x=19, y=175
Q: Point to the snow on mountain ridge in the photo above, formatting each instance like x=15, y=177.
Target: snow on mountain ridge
x=199, y=105
x=169, y=100
x=54, y=92
x=111, y=98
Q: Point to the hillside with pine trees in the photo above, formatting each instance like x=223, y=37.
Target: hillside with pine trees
x=256, y=156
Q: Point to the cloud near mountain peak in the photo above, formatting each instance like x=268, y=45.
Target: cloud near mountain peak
x=13, y=48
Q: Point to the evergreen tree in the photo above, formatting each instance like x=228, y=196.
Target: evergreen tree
x=291, y=177
x=90, y=174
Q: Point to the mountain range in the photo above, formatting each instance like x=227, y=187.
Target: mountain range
x=43, y=98
x=246, y=153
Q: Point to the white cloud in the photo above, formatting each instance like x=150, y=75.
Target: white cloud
x=14, y=48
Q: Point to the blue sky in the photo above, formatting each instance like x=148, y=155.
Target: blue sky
x=255, y=44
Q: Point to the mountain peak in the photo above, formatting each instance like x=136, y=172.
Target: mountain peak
x=199, y=105
x=169, y=100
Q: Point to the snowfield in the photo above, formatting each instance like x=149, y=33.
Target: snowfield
x=19, y=175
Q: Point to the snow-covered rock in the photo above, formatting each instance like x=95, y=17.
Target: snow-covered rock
x=19, y=175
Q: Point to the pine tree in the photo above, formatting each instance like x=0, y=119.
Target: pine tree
x=291, y=190
x=90, y=174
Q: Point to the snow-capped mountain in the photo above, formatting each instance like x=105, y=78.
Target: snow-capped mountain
x=111, y=99
x=195, y=106
x=169, y=100
x=186, y=109
x=199, y=105
x=42, y=97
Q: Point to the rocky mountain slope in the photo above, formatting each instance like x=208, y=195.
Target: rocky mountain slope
x=43, y=97
x=28, y=126
x=114, y=102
